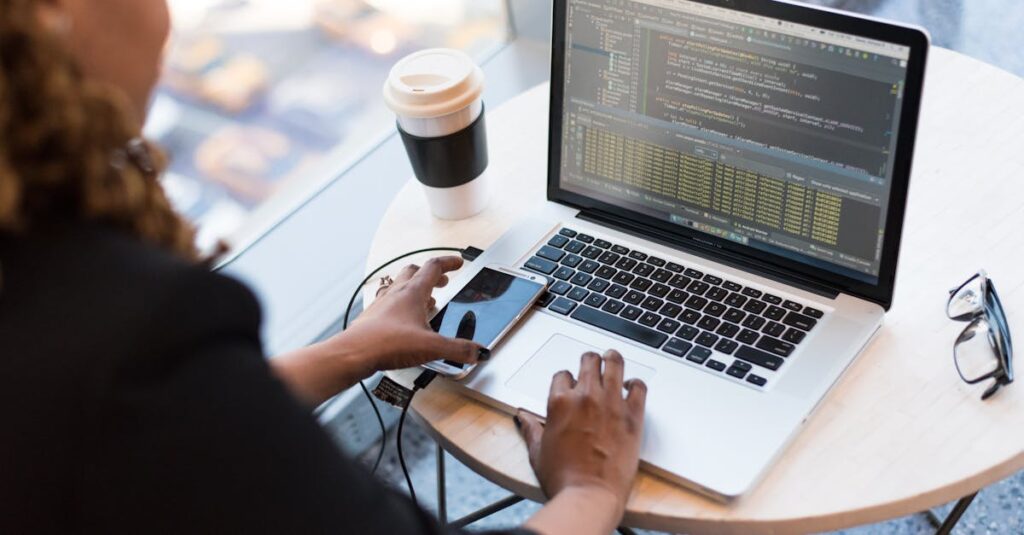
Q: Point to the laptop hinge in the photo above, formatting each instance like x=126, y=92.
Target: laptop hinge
x=709, y=252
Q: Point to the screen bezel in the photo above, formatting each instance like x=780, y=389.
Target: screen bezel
x=915, y=38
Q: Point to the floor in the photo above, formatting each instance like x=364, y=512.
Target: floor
x=986, y=29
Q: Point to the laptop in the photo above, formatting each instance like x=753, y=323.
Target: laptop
x=726, y=188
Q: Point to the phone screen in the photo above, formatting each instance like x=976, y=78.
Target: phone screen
x=485, y=307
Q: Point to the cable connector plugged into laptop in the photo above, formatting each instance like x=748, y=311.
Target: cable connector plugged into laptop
x=470, y=254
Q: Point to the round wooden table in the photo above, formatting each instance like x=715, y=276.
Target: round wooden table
x=901, y=432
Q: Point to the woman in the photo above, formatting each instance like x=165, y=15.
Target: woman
x=135, y=395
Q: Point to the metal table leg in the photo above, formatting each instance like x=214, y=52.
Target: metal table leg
x=442, y=494
x=945, y=527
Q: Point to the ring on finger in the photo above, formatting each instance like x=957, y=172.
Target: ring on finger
x=385, y=282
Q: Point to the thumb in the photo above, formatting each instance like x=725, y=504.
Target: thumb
x=456, y=349
x=532, y=431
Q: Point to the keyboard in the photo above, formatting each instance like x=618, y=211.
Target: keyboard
x=728, y=328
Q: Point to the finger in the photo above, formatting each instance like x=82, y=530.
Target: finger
x=443, y=282
x=590, y=370
x=636, y=398
x=561, y=383
x=614, y=365
x=532, y=432
x=455, y=349
x=428, y=277
x=407, y=273
x=431, y=303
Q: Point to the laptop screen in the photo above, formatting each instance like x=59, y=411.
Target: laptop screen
x=770, y=134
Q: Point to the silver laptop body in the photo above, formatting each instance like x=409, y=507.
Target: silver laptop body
x=750, y=161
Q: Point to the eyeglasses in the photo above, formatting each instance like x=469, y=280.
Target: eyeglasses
x=984, y=350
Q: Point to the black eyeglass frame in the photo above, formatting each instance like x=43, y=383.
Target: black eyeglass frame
x=991, y=311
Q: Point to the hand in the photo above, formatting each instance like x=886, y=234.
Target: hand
x=394, y=333
x=592, y=435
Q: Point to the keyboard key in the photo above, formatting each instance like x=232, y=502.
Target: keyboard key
x=670, y=310
x=569, y=233
x=758, y=357
x=813, y=313
x=655, y=261
x=708, y=323
x=659, y=290
x=541, y=265
x=650, y=319
x=616, y=291
x=631, y=313
x=712, y=280
x=606, y=272
x=595, y=300
x=564, y=273
x=775, y=313
x=715, y=309
x=662, y=275
x=677, y=296
x=735, y=300
x=592, y=252
x=726, y=346
x=794, y=336
x=577, y=294
x=668, y=326
x=581, y=279
x=620, y=250
x=800, y=321
x=775, y=347
x=589, y=266
x=756, y=380
x=754, y=322
x=694, y=274
x=707, y=339
x=560, y=288
x=623, y=278
x=626, y=263
x=687, y=332
x=634, y=297
x=680, y=282
x=643, y=270
x=748, y=336
x=774, y=329
x=613, y=306
x=551, y=253
x=738, y=372
x=545, y=299
x=734, y=315
x=637, y=255
x=715, y=365
x=673, y=267
x=689, y=316
x=604, y=244
x=696, y=302
x=772, y=299
x=562, y=306
x=619, y=326
x=698, y=355
x=575, y=247
x=754, y=306
x=652, y=303
x=599, y=285
x=677, y=347
x=732, y=286
x=792, y=305
x=571, y=260
x=558, y=241
x=727, y=330
x=608, y=258
x=641, y=284
x=585, y=238
x=750, y=292
x=698, y=287
x=717, y=294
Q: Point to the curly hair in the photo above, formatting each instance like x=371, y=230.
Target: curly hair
x=59, y=136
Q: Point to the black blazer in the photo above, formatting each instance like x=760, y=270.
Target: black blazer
x=134, y=397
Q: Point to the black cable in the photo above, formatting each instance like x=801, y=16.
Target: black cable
x=366, y=391
x=422, y=381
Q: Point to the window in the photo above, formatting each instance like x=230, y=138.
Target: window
x=261, y=101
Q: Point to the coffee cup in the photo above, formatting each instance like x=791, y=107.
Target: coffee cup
x=436, y=95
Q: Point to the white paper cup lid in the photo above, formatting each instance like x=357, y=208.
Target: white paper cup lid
x=433, y=83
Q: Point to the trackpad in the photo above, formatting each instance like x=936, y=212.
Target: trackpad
x=563, y=353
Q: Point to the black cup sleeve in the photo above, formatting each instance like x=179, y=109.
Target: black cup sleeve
x=448, y=161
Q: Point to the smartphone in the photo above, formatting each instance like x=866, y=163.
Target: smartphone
x=485, y=310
